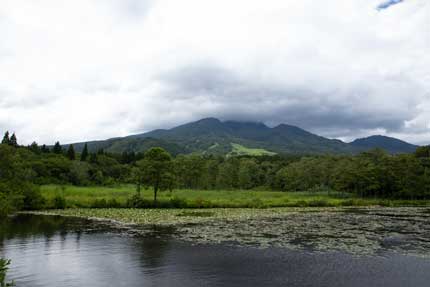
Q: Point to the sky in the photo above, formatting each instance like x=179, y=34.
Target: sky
x=94, y=69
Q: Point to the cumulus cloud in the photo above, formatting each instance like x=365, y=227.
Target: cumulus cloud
x=93, y=69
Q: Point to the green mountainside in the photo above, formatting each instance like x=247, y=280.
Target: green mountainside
x=391, y=145
x=212, y=136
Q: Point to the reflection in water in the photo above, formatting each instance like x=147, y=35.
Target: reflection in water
x=55, y=251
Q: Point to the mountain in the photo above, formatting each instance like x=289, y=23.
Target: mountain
x=212, y=136
x=391, y=145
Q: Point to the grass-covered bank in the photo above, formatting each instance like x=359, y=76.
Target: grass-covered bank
x=119, y=196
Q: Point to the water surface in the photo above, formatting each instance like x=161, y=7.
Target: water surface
x=54, y=251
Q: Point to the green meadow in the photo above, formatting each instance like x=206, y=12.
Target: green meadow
x=118, y=196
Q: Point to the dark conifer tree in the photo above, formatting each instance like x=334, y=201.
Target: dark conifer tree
x=93, y=158
x=71, y=153
x=6, y=139
x=57, y=148
x=13, y=141
x=34, y=147
x=84, y=154
x=44, y=149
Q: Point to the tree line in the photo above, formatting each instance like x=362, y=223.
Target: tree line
x=369, y=174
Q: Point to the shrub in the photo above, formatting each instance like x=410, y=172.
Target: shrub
x=136, y=201
x=99, y=203
x=319, y=203
x=301, y=203
x=4, y=267
x=32, y=199
x=59, y=202
x=177, y=202
x=113, y=203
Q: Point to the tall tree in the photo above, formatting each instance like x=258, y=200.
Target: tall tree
x=34, y=147
x=84, y=154
x=71, y=152
x=44, y=149
x=156, y=168
x=57, y=148
x=6, y=139
x=13, y=141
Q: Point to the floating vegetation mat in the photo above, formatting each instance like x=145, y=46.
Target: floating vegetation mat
x=368, y=231
x=358, y=231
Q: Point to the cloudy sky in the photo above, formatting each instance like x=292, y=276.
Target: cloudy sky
x=94, y=69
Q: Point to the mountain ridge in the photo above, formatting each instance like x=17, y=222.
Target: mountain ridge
x=213, y=136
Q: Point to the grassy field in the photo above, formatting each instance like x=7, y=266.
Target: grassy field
x=242, y=150
x=99, y=196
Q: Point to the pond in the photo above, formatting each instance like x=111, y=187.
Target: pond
x=63, y=251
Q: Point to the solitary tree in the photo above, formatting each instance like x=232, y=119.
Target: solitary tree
x=84, y=154
x=57, y=148
x=71, y=153
x=6, y=139
x=156, y=168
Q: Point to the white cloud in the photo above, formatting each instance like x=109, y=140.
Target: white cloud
x=92, y=69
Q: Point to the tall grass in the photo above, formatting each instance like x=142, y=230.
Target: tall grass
x=125, y=196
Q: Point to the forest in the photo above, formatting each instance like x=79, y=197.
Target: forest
x=372, y=174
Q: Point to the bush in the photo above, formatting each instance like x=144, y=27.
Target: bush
x=319, y=203
x=99, y=203
x=136, y=201
x=6, y=205
x=113, y=203
x=32, y=199
x=4, y=267
x=177, y=202
x=301, y=203
x=59, y=202
x=256, y=203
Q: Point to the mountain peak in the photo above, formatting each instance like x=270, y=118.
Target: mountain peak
x=208, y=120
x=212, y=136
x=389, y=144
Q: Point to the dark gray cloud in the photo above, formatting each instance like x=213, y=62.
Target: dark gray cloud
x=237, y=98
x=94, y=69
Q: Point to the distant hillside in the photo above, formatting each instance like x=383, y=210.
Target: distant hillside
x=391, y=145
x=212, y=136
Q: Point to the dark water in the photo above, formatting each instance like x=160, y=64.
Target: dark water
x=55, y=251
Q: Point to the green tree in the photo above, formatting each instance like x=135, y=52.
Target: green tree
x=156, y=168
x=13, y=140
x=44, y=149
x=34, y=147
x=57, y=149
x=6, y=139
x=248, y=174
x=84, y=154
x=16, y=189
x=71, y=152
x=93, y=158
x=79, y=173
